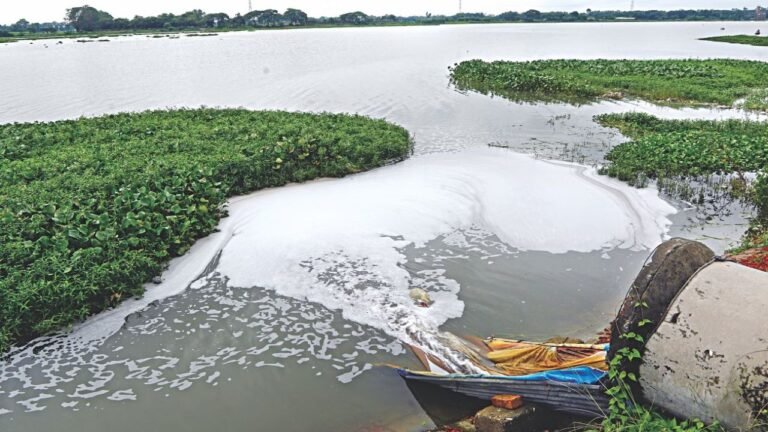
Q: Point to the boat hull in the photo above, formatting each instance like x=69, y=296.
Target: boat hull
x=588, y=400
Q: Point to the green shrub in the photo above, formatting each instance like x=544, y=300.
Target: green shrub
x=757, y=234
x=761, y=198
x=91, y=209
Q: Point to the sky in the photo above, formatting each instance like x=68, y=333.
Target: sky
x=53, y=10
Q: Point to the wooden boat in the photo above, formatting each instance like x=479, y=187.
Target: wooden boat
x=563, y=376
x=576, y=391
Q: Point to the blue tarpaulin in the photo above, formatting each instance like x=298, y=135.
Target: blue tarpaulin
x=576, y=375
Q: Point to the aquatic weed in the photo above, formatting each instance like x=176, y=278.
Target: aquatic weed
x=739, y=39
x=684, y=82
x=716, y=155
x=91, y=209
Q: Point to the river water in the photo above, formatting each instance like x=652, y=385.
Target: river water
x=282, y=319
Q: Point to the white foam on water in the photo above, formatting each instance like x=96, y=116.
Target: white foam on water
x=339, y=242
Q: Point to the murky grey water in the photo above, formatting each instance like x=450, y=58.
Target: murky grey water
x=231, y=358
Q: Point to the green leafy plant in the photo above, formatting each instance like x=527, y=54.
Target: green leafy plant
x=757, y=234
x=91, y=209
x=676, y=82
x=661, y=149
x=664, y=148
x=740, y=39
x=625, y=414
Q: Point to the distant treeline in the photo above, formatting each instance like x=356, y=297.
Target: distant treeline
x=86, y=18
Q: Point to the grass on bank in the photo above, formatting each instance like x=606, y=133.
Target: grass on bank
x=676, y=82
x=740, y=39
x=694, y=148
x=91, y=209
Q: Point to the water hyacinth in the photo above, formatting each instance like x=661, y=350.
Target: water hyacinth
x=660, y=148
x=664, y=148
x=91, y=209
x=692, y=149
x=740, y=39
x=687, y=82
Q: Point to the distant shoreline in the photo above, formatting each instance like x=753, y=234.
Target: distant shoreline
x=216, y=31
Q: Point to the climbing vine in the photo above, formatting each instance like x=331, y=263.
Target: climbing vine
x=625, y=414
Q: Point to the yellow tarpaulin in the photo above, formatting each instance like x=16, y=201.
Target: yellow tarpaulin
x=523, y=358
